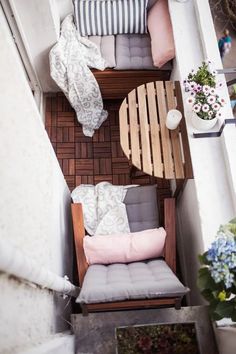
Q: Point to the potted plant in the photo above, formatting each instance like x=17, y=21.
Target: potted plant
x=217, y=282
x=204, y=100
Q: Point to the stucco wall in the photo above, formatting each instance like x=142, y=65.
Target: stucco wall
x=34, y=208
x=207, y=201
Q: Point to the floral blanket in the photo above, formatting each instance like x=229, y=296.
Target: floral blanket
x=70, y=60
x=103, y=208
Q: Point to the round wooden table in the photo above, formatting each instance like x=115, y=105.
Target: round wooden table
x=144, y=137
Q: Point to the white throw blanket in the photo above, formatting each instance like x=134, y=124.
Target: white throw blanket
x=103, y=208
x=70, y=60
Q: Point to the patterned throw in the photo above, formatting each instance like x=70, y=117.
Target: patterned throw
x=106, y=17
x=103, y=208
x=70, y=60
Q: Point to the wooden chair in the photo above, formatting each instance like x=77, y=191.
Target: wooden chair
x=169, y=255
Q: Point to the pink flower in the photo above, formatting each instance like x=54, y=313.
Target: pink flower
x=193, y=85
x=216, y=106
x=206, y=89
x=211, y=99
x=219, y=85
x=205, y=107
x=190, y=100
x=222, y=101
x=210, y=114
x=218, y=115
x=212, y=91
x=196, y=108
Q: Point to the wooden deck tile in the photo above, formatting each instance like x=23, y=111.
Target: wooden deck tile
x=92, y=160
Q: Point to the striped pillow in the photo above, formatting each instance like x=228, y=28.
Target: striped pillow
x=107, y=17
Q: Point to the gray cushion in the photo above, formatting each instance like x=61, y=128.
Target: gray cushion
x=133, y=52
x=106, y=44
x=141, y=207
x=138, y=280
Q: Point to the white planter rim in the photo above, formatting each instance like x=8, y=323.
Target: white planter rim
x=203, y=124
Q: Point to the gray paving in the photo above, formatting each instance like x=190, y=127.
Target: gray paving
x=95, y=334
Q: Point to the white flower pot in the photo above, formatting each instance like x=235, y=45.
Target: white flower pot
x=226, y=339
x=202, y=124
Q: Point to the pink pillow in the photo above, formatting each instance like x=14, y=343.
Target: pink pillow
x=124, y=248
x=161, y=33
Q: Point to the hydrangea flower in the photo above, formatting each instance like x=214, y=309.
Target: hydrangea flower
x=217, y=276
x=222, y=258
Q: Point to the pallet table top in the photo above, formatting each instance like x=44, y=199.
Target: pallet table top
x=144, y=137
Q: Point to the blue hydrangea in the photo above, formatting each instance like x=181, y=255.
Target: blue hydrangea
x=222, y=258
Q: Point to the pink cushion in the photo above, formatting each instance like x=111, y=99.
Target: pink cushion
x=124, y=248
x=161, y=33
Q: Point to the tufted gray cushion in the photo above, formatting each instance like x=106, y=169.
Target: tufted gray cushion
x=106, y=44
x=133, y=52
x=141, y=207
x=138, y=280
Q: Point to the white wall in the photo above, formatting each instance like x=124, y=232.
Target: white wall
x=34, y=208
x=64, y=7
x=208, y=201
x=39, y=25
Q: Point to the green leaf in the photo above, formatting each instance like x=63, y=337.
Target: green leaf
x=207, y=294
x=225, y=309
x=233, y=221
x=203, y=259
x=233, y=315
x=205, y=280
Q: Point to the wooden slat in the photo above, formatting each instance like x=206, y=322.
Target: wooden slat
x=188, y=170
x=144, y=129
x=155, y=129
x=132, y=304
x=79, y=233
x=175, y=139
x=134, y=130
x=169, y=225
x=124, y=127
x=165, y=141
x=118, y=83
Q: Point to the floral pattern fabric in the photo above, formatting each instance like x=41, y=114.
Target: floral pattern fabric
x=70, y=60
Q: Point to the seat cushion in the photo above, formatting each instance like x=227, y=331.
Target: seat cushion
x=142, y=208
x=138, y=280
x=106, y=44
x=133, y=52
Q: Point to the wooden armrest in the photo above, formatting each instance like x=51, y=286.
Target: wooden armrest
x=169, y=222
x=79, y=233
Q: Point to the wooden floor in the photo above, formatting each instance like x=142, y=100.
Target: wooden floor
x=92, y=160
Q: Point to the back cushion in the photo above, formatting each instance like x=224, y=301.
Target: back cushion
x=142, y=209
x=107, y=17
x=124, y=248
x=161, y=33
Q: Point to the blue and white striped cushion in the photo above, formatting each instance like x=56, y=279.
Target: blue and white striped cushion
x=107, y=17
